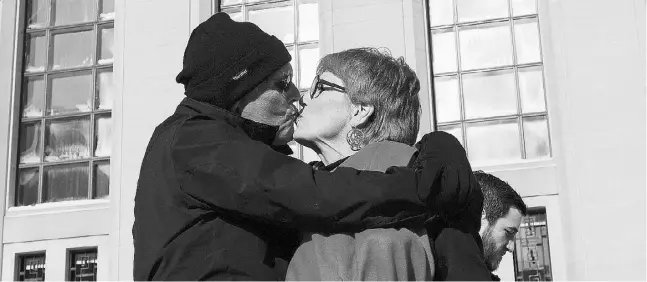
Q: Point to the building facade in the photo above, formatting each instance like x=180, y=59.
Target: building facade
x=547, y=95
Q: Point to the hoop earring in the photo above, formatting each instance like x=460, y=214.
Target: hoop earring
x=355, y=138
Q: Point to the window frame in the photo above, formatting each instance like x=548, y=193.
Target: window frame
x=18, y=262
x=70, y=261
x=19, y=75
x=519, y=116
x=295, y=45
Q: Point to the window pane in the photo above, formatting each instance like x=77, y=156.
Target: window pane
x=493, y=141
x=67, y=139
x=476, y=10
x=65, y=182
x=37, y=13
x=441, y=12
x=73, y=11
x=106, y=87
x=83, y=265
x=444, y=52
x=35, y=51
x=103, y=137
x=107, y=43
x=107, y=10
x=31, y=267
x=101, y=180
x=33, y=97
x=27, y=193
x=523, y=7
x=277, y=21
x=308, y=21
x=527, y=40
x=69, y=93
x=308, y=59
x=532, y=249
x=447, y=99
x=230, y=2
x=489, y=94
x=73, y=49
x=453, y=130
x=485, y=46
x=30, y=143
x=236, y=16
x=535, y=133
x=532, y=90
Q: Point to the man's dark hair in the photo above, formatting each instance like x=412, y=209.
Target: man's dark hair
x=498, y=197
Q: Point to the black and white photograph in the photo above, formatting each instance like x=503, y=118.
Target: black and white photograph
x=323, y=140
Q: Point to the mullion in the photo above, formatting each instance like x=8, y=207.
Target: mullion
x=65, y=162
x=297, y=62
x=543, y=81
x=459, y=76
x=93, y=99
x=48, y=57
x=482, y=22
x=493, y=118
x=482, y=70
x=515, y=62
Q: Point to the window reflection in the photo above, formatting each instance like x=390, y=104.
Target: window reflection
x=494, y=141
x=31, y=267
x=72, y=49
x=277, y=21
x=30, y=143
x=83, y=265
x=73, y=11
x=489, y=94
x=67, y=139
x=70, y=93
x=532, y=249
x=485, y=46
x=308, y=59
x=65, y=182
x=33, y=99
x=447, y=94
x=27, y=193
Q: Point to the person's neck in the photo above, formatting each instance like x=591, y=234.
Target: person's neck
x=330, y=151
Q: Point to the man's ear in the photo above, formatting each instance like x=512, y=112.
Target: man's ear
x=484, y=224
x=361, y=114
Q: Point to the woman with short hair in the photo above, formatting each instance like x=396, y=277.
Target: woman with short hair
x=363, y=111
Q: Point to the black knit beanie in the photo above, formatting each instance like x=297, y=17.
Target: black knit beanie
x=224, y=60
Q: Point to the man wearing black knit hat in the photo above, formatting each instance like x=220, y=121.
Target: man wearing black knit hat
x=219, y=199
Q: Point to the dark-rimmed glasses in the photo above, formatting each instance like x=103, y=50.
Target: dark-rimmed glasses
x=320, y=85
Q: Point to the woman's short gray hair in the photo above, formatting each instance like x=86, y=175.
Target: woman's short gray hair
x=375, y=78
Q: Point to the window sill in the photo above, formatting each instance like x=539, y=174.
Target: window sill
x=58, y=207
x=515, y=165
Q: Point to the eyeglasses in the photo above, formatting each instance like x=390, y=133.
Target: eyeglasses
x=320, y=85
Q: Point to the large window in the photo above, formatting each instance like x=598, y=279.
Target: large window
x=488, y=78
x=66, y=101
x=296, y=23
x=532, y=250
x=31, y=267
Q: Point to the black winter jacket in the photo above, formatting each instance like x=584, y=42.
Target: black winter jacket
x=215, y=202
